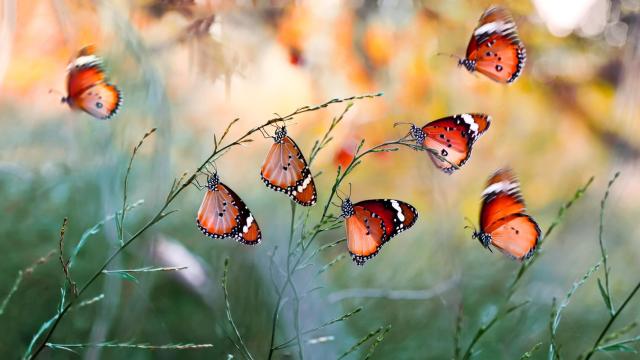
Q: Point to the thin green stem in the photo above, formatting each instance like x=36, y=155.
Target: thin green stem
x=227, y=308
x=607, y=290
x=611, y=320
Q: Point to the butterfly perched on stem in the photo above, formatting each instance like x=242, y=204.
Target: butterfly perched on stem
x=223, y=214
x=88, y=89
x=504, y=223
x=452, y=137
x=371, y=223
x=286, y=170
x=495, y=50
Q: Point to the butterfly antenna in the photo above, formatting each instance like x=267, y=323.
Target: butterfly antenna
x=450, y=55
x=264, y=132
x=338, y=191
x=471, y=225
x=63, y=97
x=197, y=184
x=402, y=123
x=349, y=191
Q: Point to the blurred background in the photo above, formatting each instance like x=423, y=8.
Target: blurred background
x=188, y=67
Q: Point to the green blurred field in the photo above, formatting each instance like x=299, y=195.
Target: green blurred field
x=573, y=114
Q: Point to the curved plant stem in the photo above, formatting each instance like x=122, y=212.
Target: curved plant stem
x=610, y=322
x=177, y=188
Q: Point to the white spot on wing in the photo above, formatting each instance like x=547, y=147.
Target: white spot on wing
x=396, y=206
x=505, y=186
x=472, y=123
x=85, y=60
x=249, y=221
x=494, y=27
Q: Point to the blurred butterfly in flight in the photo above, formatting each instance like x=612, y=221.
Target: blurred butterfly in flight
x=88, y=89
x=286, y=170
x=504, y=223
x=452, y=137
x=495, y=50
x=371, y=223
x=223, y=214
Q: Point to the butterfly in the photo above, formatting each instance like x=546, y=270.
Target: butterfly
x=223, y=214
x=452, y=137
x=286, y=170
x=503, y=221
x=371, y=223
x=495, y=50
x=87, y=86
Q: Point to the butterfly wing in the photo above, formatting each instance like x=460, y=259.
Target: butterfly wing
x=286, y=170
x=101, y=100
x=503, y=217
x=87, y=88
x=453, y=138
x=365, y=234
x=247, y=232
x=495, y=48
x=223, y=214
x=516, y=235
x=500, y=198
x=397, y=215
x=219, y=214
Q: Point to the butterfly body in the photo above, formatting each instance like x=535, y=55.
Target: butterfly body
x=504, y=223
x=88, y=89
x=452, y=138
x=223, y=214
x=371, y=223
x=495, y=50
x=285, y=170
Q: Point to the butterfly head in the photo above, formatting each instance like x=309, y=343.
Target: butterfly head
x=470, y=65
x=212, y=181
x=418, y=134
x=484, y=238
x=347, y=208
x=281, y=132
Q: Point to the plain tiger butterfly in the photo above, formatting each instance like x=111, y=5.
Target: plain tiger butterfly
x=223, y=214
x=504, y=223
x=495, y=50
x=371, y=223
x=452, y=138
x=286, y=170
x=87, y=86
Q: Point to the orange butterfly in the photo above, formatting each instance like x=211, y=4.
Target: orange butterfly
x=495, y=49
x=452, y=137
x=87, y=87
x=223, y=214
x=286, y=170
x=371, y=223
x=503, y=221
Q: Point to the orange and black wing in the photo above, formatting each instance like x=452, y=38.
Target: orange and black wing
x=516, y=235
x=365, y=234
x=500, y=198
x=373, y=223
x=453, y=138
x=101, y=101
x=495, y=47
x=397, y=215
x=223, y=214
x=248, y=232
x=503, y=217
x=87, y=88
x=286, y=170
